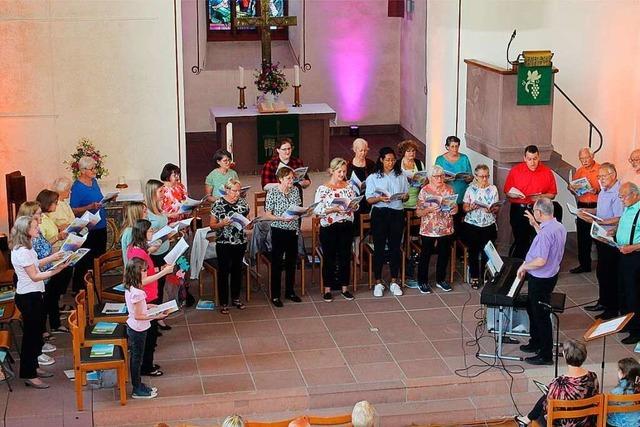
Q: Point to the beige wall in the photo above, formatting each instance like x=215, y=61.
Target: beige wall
x=353, y=48
x=105, y=70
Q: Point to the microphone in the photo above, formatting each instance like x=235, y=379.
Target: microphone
x=513, y=36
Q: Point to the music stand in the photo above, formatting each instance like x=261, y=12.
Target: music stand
x=603, y=328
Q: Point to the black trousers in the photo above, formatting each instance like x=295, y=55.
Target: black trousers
x=629, y=266
x=32, y=308
x=56, y=287
x=386, y=228
x=97, y=243
x=229, y=265
x=583, y=234
x=136, y=344
x=440, y=245
x=537, y=413
x=336, y=241
x=476, y=238
x=607, y=274
x=150, y=343
x=283, y=242
x=523, y=232
x=158, y=261
x=540, y=328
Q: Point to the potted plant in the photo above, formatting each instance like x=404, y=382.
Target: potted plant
x=271, y=81
x=85, y=148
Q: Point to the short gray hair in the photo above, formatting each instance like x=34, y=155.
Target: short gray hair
x=60, y=185
x=86, y=162
x=363, y=415
x=575, y=352
x=357, y=142
x=436, y=170
x=609, y=166
x=544, y=205
x=633, y=187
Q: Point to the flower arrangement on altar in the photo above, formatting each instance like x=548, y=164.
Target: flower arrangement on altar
x=85, y=148
x=271, y=79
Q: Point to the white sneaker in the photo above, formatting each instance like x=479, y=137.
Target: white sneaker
x=395, y=289
x=48, y=348
x=44, y=360
x=378, y=290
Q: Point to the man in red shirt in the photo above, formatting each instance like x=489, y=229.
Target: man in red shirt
x=527, y=182
x=588, y=199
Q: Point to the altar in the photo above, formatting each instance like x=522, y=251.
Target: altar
x=250, y=135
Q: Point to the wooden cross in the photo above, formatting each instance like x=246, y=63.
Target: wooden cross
x=263, y=23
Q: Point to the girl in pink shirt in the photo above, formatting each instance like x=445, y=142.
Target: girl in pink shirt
x=141, y=233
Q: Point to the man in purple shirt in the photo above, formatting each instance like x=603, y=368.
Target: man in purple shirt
x=541, y=266
x=609, y=208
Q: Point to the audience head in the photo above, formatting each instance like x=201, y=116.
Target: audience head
x=284, y=149
x=141, y=233
x=133, y=273
x=629, y=369
x=363, y=415
x=232, y=189
x=575, y=352
x=481, y=175
x=133, y=211
x=24, y=229
x=586, y=157
x=452, y=144
x=222, y=159
x=87, y=166
x=300, y=422
x=436, y=176
x=285, y=176
x=543, y=209
x=233, y=421
x=338, y=168
x=386, y=162
x=407, y=149
x=629, y=193
x=152, y=194
x=607, y=175
x=62, y=186
x=532, y=157
x=30, y=208
x=170, y=174
x=48, y=200
x=634, y=159
x=360, y=148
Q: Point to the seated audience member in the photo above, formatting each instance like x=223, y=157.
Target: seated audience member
x=436, y=229
x=479, y=226
x=628, y=383
x=577, y=383
x=217, y=178
x=409, y=165
x=534, y=180
x=173, y=192
x=363, y=415
x=283, y=157
x=588, y=170
x=233, y=421
x=300, y=422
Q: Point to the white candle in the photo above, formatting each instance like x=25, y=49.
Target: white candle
x=241, y=77
x=296, y=75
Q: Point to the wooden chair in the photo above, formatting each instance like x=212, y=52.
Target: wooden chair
x=201, y=216
x=16, y=194
x=88, y=338
x=109, y=261
x=83, y=363
x=211, y=267
x=5, y=346
x=615, y=403
x=563, y=409
x=10, y=314
x=94, y=309
x=316, y=250
x=366, y=248
x=336, y=420
x=6, y=273
x=259, y=200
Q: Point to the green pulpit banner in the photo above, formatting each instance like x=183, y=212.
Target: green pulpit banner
x=274, y=127
x=534, y=85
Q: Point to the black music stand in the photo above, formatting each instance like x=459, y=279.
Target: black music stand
x=603, y=328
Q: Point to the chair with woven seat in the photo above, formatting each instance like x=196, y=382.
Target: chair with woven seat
x=109, y=261
x=565, y=409
x=83, y=363
x=94, y=308
x=316, y=250
x=620, y=403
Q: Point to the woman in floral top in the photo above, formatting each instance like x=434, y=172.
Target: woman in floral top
x=479, y=220
x=336, y=230
x=284, y=234
x=578, y=383
x=173, y=192
x=436, y=227
x=231, y=243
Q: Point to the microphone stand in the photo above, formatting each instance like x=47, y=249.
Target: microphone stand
x=550, y=309
x=513, y=36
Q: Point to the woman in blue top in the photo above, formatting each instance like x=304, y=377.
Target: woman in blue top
x=86, y=196
x=387, y=216
x=628, y=383
x=455, y=162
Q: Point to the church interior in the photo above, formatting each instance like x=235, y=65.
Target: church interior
x=156, y=82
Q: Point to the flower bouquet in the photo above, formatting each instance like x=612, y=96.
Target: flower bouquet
x=271, y=79
x=85, y=148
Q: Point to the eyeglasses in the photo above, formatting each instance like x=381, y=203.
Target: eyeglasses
x=482, y=176
x=605, y=175
x=624, y=196
x=285, y=149
x=438, y=176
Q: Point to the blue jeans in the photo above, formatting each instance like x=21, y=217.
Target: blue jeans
x=136, y=350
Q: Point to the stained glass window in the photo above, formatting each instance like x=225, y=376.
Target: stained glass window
x=221, y=22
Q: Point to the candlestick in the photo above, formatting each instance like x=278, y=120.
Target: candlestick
x=241, y=102
x=296, y=96
x=296, y=75
x=241, y=77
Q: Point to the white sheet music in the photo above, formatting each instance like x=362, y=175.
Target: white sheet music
x=607, y=327
x=514, y=287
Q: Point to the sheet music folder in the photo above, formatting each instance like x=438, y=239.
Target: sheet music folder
x=602, y=328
